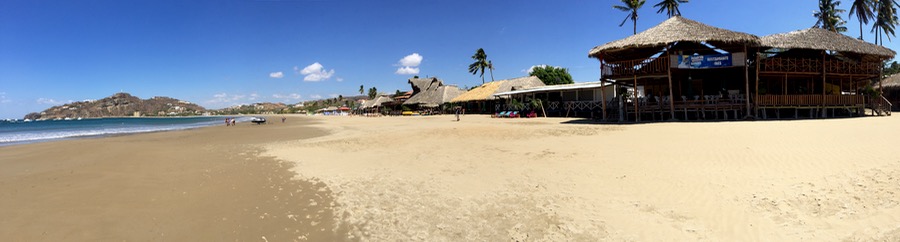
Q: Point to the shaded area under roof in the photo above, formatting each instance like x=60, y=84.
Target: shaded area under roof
x=821, y=39
x=564, y=87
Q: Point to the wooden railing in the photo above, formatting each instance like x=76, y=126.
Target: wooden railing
x=811, y=65
x=810, y=100
x=657, y=66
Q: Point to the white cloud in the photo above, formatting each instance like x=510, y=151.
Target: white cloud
x=316, y=96
x=409, y=64
x=276, y=74
x=333, y=95
x=293, y=96
x=229, y=99
x=411, y=60
x=315, y=72
x=529, y=70
x=406, y=70
x=339, y=79
x=3, y=98
x=49, y=101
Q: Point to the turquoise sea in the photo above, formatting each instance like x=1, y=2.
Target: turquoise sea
x=22, y=131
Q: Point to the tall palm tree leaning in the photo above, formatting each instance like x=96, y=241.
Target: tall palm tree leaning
x=885, y=19
x=863, y=11
x=480, y=63
x=670, y=7
x=829, y=16
x=632, y=7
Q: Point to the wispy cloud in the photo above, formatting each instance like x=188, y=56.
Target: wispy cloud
x=49, y=101
x=3, y=98
x=530, y=69
x=292, y=96
x=315, y=72
x=276, y=74
x=408, y=65
x=231, y=99
x=339, y=79
x=315, y=96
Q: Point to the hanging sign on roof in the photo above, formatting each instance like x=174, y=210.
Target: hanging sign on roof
x=704, y=61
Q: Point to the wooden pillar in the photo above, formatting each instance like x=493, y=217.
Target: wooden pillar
x=747, y=80
x=637, y=113
x=602, y=93
x=756, y=99
x=823, y=83
x=671, y=93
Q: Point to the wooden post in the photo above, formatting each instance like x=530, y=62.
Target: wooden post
x=824, y=70
x=756, y=99
x=671, y=93
x=637, y=114
x=602, y=93
x=747, y=80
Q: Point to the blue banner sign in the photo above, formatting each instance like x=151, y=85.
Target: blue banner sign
x=704, y=61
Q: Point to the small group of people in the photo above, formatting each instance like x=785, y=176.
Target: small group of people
x=230, y=122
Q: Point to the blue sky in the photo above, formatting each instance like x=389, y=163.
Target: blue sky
x=222, y=53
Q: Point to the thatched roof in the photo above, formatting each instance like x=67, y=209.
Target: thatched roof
x=487, y=91
x=434, y=97
x=821, y=39
x=376, y=102
x=892, y=81
x=422, y=84
x=675, y=29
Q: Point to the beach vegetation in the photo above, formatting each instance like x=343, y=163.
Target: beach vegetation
x=631, y=7
x=829, y=16
x=551, y=75
x=373, y=92
x=891, y=68
x=885, y=20
x=481, y=63
x=670, y=7
x=862, y=9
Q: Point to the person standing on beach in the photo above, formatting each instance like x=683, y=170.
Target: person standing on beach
x=282, y=119
x=458, y=109
x=227, y=122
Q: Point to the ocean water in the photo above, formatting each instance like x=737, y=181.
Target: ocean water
x=20, y=132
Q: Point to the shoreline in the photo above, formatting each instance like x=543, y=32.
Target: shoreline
x=199, y=184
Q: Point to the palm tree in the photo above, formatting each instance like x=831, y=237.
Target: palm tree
x=670, y=7
x=361, y=89
x=885, y=19
x=491, y=68
x=863, y=11
x=632, y=7
x=828, y=17
x=480, y=63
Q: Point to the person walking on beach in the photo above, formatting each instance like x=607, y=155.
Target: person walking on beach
x=227, y=122
x=458, y=109
x=282, y=119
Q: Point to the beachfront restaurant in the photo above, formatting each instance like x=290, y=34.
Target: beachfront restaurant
x=568, y=100
x=817, y=73
x=481, y=99
x=685, y=70
x=679, y=69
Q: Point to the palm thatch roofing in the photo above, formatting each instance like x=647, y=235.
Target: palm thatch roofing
x=435, y=97
x=892, y=81
x=377, y=102
x=675, y=29
x=821, y=39
x=422, y=84
x=487, y=90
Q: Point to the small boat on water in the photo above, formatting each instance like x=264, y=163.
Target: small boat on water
x=27, y=120
x=258, y=120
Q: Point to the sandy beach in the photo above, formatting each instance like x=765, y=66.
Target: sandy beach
x=432, y=178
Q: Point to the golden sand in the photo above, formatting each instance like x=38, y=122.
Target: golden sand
x=431, y=178
x=435, y=179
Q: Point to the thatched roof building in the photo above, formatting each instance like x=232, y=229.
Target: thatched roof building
x=892, y=81
x=487, y=90
x=377, y=102
x=821, y=39
x=435, y=97
x=675, y=29
x=431, y=92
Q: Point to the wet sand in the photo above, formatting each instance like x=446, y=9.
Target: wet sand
x=208, y=184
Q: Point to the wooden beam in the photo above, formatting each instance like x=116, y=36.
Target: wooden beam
x=756, y=98
x=671, y=95
x=602, y=93
x=747, y=80
x=637, y=114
